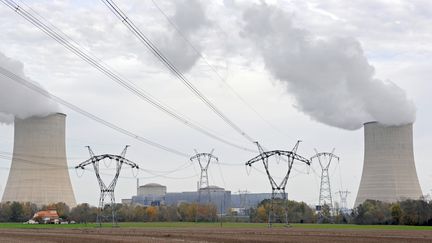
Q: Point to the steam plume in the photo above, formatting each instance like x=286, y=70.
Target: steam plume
x=330, y=78
x=18, y=101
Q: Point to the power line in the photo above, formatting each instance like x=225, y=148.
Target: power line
x=278, y=188
x=37, y=156
x=45, y=93
x=231, y=164
x=107, y=191
x=164, y=174
x=325, y=195
x=171, y=67
x=213, y=69
x=169, y=177
x=26, y=160
x=66, y=42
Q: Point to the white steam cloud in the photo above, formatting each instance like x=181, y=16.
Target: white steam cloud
x=17, y=100
x=330, y=78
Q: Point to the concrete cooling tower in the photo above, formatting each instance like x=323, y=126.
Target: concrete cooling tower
x=389, y=172
x=39, y=172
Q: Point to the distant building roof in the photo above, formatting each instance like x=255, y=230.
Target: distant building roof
x=213, y=188
x=51, y=214
x=153, y=185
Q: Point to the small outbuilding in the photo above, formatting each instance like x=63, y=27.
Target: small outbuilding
x=49, y=216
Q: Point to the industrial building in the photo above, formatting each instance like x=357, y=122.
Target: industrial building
x=211, y=194
x=39, y=171
x=248, y=200
x=154, y=194
x=389, y=172
x=150, y=194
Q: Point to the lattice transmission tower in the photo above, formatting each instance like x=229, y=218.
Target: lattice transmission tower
x=343, y=200
x=107, y=191
x=204, y=160
x=325, y=159
x=244, y=202
x=243, y=197
x=278, y=189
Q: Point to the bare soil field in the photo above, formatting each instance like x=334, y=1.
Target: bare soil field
x=212, y=235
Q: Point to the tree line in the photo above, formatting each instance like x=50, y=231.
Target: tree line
x=298, y=212
x=85, y=213
x=406, y=212
x=23, y=211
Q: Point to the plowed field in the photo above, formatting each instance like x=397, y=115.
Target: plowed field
x=292, y=234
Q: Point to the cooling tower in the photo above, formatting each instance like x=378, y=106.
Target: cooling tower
x=389, y=172
x=39, y=172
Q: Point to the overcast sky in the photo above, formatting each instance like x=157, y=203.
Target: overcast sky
x=311, y=70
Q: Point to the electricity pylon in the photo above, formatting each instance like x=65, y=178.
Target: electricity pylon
x=204, y=160
x=243, y=198
x=244, y=202
x=343, y=200
x=278, y=189
x=325, y=159
x=107, y=191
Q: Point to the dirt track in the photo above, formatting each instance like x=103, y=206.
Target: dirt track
x=211, y=235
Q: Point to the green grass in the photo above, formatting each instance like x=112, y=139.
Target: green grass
x=139, y=225
x=191, y=225
x=354, y=226
x=41, y=226
x=212, y=225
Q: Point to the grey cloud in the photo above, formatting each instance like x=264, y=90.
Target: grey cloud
x=190, y=18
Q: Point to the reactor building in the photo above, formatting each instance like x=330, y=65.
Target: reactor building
x=39, y=171
x=154, y=194
x=389, y=172
x=150, y=194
